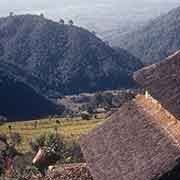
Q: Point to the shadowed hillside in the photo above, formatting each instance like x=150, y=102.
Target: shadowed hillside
x=20, y=102
x=68, y=58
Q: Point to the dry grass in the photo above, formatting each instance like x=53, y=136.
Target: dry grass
x=69, y=128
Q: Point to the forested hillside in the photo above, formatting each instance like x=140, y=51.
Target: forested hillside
x=155, y=41
x=62, y=59
x=21, y=102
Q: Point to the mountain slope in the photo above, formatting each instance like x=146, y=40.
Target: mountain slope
x=156, y=40
x=67, y=58
x=20, y=102
x=114, y=17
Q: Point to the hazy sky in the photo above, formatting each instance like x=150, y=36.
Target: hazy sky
x=73, y=8
x=50, y=5
x=100, y=15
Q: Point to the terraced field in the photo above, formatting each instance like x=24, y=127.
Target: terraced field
x=70, y=129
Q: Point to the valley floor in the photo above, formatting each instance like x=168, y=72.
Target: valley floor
x=69, y=128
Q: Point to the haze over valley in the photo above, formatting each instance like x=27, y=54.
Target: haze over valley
x=109, y=18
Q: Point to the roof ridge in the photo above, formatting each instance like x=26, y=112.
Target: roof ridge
x=166, y=122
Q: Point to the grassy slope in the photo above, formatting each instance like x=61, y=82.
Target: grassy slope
x=69, y=128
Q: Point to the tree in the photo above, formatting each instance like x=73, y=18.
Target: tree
x=2, y=120
x=106, y=42
x=89, y=107
x=74, y=153
x=56, y=130
x=50, y=150
x=3, y=138
x=38, y=142
x=98, y=98
x=10, y=128
x=15, y=138
x=86, y=116
x=11, y=14
x=107, y=98
x=35, y=124
x=71, y=22
x=94, y=32
x=7, y=155
x=61, y=21
x=42, y=15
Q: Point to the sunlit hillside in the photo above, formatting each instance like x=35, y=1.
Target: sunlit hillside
x=70, y=128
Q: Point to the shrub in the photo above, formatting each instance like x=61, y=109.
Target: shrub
x=56, y=144
x=53, y=143
x=89, y=107
x=70, y=22
x=58, y=149
x=107, y=99
x=74, y=153
x=103, y=99
x=98, y=98
x=10, y=128
x=3, y=138
x=35, y=124
x=23, y=161
x=24, y=168
x=51, y=148
x=58, y=122
x=61, y=21
x=7, y=152
x=38, y=142
x=86, y=116
x=3, y=120
x=2, y=163
x=15, y=138
x=27, y=173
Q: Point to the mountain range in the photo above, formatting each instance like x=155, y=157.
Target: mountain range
x=41, y=60
x=155, y=41
x=46, y=59
x=114, y=17
x=58, y=59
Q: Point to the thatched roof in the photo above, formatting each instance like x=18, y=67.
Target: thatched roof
x=139, y=142
x=162, y=80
